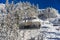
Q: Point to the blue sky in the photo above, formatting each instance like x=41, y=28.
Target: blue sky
x=42, y=3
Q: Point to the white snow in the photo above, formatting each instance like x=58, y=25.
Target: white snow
x=51, y=32
x=2, y=6
x=47, y=27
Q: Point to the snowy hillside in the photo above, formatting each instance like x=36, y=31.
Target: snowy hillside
x=12, y=15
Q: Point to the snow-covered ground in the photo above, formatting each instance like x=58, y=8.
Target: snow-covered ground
x=50, y=28
x=51, y=32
